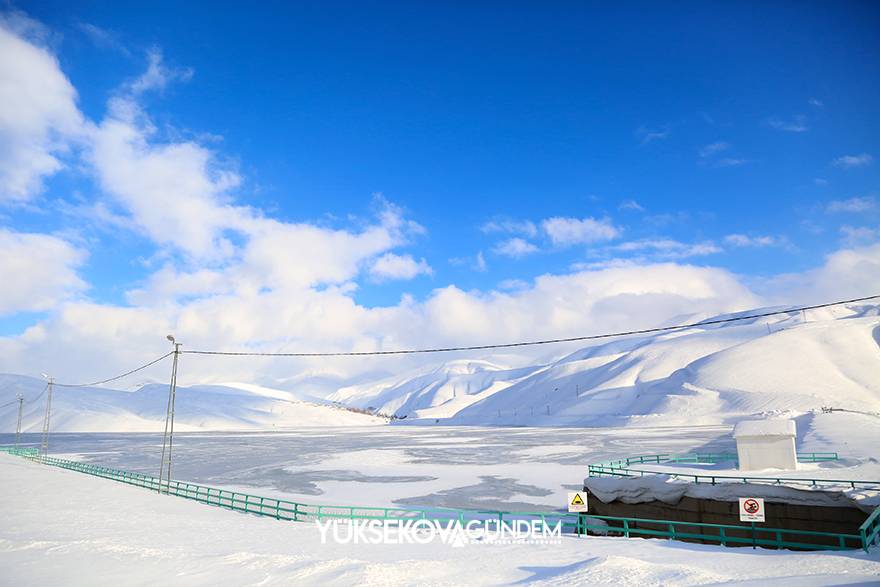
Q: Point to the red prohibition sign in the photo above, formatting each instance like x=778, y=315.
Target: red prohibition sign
x=751, y=506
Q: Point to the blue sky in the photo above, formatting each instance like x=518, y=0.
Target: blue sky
x=511, y=142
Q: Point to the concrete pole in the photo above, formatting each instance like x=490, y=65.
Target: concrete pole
x=44, y=447
x=168, y=436
x=18, y=426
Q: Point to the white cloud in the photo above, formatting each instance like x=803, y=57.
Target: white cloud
x=631, y=205
x=168, y=284
x=158, y=75
x=742, y=240
x=845, y=273
x=38, y=119
x=816, y=102
x=849, y=161
x=513, y=284
x=38, y=270
x=392, y=266
x=714, y=148
x=858, y=204
x=820, y=181
x=101, y=37
x=83, y=339
x=480, y=262
x=523, y=227
x=729, y=162
x=573, y=231
x=859, y=235
x=175, y=192
x=647, y=135
x=667, y=248
x=515, y=248
x=797, y=124
x=477, y=262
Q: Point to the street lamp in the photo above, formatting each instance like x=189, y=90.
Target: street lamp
x=168, y=437
x=44, y=445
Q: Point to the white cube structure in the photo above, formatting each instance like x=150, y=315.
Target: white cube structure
x=766, y=444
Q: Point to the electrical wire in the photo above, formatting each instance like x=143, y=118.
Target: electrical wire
x=30, y=401
x=534, y=342
x=126, y=374
x=42, y=393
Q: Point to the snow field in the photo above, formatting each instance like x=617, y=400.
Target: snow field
x=61, y=527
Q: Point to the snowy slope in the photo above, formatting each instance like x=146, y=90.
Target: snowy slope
x=711, y=374
x=235, y=406
x=439, y=393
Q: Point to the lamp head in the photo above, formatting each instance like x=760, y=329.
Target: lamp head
x=169, y=337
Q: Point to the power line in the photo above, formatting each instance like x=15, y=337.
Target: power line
x=126, y=374
x=30, y=401
x=42, y=393
x=534, y=342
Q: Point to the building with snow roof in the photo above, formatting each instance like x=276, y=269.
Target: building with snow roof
x=766, y=444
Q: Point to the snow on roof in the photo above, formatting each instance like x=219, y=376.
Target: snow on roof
x=765, y=428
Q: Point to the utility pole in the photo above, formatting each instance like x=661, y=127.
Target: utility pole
x=44, y=446
x=168, y=438
x=18, y=426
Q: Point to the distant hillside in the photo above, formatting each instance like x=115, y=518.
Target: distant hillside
x=202, y=407
x=710, y=374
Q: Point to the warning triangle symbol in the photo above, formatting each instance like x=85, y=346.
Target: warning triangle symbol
x=577, y=499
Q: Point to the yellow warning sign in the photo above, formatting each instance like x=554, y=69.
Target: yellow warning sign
x=577, y=502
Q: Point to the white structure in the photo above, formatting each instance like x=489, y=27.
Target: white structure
x=766, y=444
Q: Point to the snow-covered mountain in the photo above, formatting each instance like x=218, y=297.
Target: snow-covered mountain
x=439, y=393
x=234, y=406
x=719, y=373
x=796, y=362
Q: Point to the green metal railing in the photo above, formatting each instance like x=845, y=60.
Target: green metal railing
x=623, y=468
x=571, y=523
x=869, y=531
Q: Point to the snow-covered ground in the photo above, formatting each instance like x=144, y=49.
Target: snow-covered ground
x=65, y=528
x=518, y=441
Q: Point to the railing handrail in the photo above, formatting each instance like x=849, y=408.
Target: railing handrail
x=622, y=468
